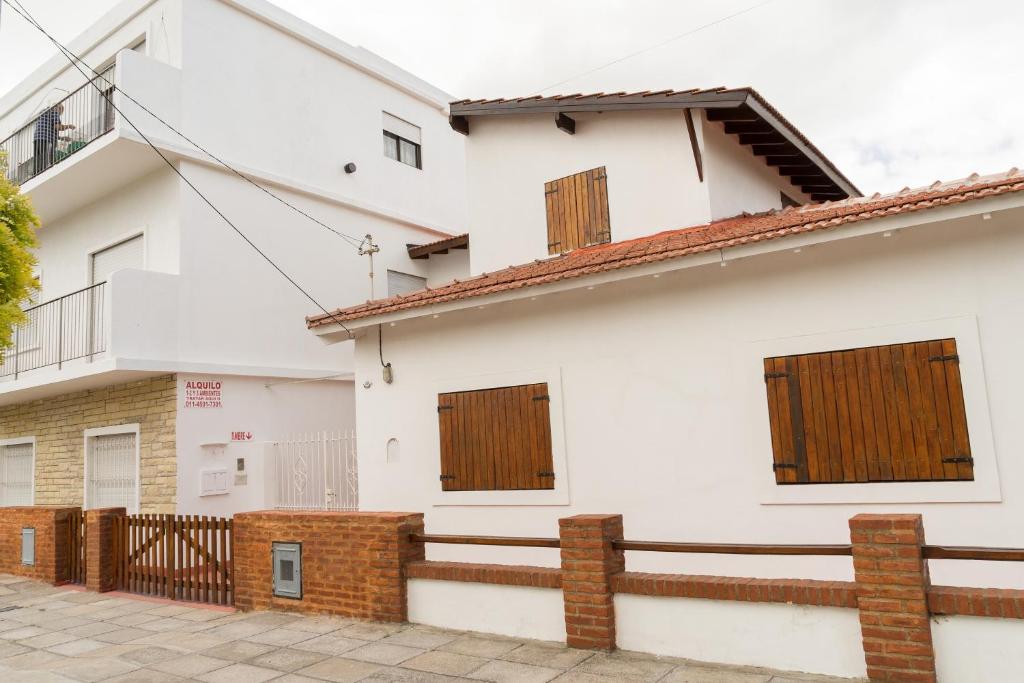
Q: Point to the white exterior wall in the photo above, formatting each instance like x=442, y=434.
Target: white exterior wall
x=149, y=205
x=737, y=180
x=662, y=404
x=820, y=640
x=978, y=650
x=249, y=405
x=303, y=114
x=517, y=611
x=652, y=178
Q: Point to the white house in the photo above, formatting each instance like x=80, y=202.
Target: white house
x=153, y=371
x=676, y=346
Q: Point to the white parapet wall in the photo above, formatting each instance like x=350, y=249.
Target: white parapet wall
x=518, y=611
x=978, y=649
x=820, y=640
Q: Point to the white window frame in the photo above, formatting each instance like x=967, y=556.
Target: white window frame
x=559, y=459
x=20, y=441
x=112, y=431
x=985, y=487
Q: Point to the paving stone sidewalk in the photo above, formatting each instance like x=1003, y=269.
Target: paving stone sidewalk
x=58, y=634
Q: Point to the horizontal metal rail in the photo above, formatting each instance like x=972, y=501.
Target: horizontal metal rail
x=84, y=115
x=486, y=540
x=941, y=552
x=733, y=548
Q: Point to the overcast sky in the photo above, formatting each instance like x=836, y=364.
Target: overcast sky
x=895, y=92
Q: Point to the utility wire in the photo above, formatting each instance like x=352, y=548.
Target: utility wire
x=27, y=16
x=656, y=46
x=170, y=164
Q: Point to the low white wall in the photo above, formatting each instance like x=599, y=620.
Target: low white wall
x=821, y=640
x=505, y=610
x=978, y=650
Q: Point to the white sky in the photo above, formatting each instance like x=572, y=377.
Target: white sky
x=895, y=92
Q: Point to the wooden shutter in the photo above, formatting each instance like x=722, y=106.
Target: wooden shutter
x=496, y=439
x=879, y=413
x=577, y=211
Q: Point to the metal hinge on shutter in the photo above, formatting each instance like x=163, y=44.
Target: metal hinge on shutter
x=543, y=397
x=440, y=408
x=551, y=191
x=775, y=375
x=446, y=477
x=783, y=466
x=554, y=244
x=546, y=474
x=959, y=458
x=942, y=359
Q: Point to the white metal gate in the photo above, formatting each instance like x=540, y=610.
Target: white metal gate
x=316, y=471
x=16, y=474
x=111, y=472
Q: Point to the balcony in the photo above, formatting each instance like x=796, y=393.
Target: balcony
x=72, y=328
x=88, y=109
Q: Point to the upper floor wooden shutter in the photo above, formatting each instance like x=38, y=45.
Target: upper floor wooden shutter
x=496, y=439
x=879, y=413
x=577, y=211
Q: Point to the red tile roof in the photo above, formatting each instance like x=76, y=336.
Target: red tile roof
x=673, y=244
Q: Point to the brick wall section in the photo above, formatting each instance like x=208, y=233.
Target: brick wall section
x=892, y=584
x=59, y=422
x=1005, y=603
x=51, y=525
x=501, y=574
x=353, y=563
x=588, y=564
x=789, y=591
x=99, y=548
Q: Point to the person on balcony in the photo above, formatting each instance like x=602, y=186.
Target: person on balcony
x=47, y=132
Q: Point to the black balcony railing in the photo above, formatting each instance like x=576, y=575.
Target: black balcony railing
x=69, y=328
x=37, y=146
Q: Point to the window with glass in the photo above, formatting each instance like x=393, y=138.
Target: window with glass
x=402, y=141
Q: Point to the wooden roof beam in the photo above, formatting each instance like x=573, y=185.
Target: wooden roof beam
x=737, y=127
x=566, y=124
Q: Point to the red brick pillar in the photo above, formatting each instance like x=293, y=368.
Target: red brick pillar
x=892, y=585
x=588, y=563
x=99, y=548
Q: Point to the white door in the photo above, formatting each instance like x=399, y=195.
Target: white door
x=111, y=473
x=16, y=474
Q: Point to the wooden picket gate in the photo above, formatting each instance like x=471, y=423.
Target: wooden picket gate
x=183, y=557
x=76, y=547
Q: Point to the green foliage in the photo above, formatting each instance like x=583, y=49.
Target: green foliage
x=18, y=223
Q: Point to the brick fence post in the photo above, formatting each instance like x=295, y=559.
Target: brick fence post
x=892, y=584
x=588, y=563
x=99, y=548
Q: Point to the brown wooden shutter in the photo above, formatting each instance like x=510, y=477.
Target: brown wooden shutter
x=496, y=439
x=577, y=211
x=879, y=413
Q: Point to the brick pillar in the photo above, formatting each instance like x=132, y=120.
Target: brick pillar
x=588, y=563
x=892, y=585
x=99, y=548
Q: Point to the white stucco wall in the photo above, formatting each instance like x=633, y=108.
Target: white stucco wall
x=821, y=640
x=148, y=206
x=303, y=114
x=737, y=180
x=517, y=611
x=271, y=414
x=663, y=409
x=652, y=179
x=978, y=650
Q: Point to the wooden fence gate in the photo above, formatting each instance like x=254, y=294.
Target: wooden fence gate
x=183, y=557
x=76, y=547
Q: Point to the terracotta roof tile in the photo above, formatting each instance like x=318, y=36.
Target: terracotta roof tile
x=729, y=232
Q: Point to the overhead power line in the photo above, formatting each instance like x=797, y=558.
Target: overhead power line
x=655, y=46
x=20, y=10
x=27, y=16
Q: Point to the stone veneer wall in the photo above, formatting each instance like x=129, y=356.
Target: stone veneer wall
x=58, y=423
